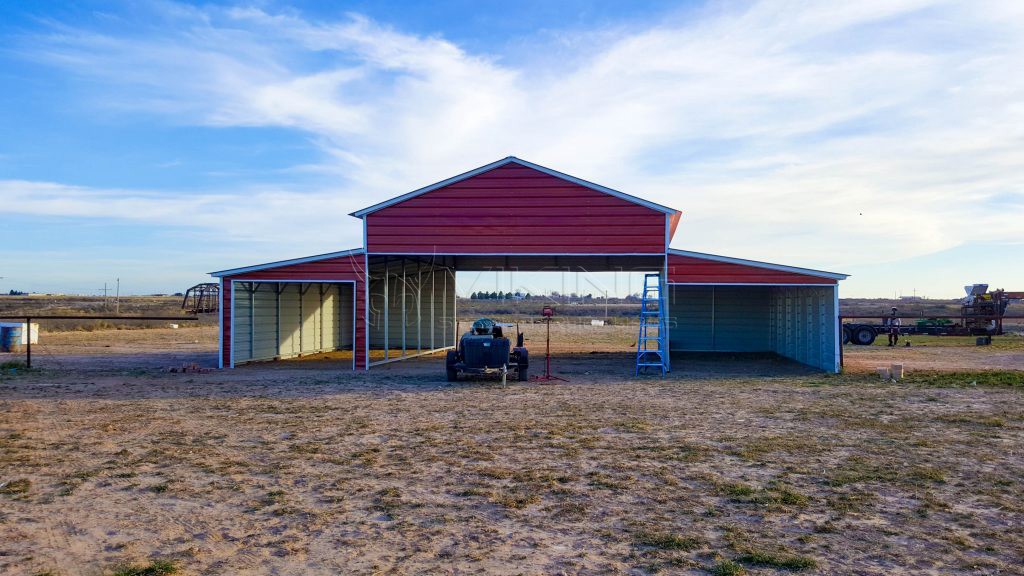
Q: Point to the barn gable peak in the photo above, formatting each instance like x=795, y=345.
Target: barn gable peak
x=519, y=161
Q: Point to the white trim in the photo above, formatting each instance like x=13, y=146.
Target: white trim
x=667, y=315
x=509, y=160
x=220, y=325
x=279, y=263
x=748, y=284
x=758, y=264
x=366, y=301
x=836, y=330
x=355, y=320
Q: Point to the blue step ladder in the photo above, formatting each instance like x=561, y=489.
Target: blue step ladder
x=651, y=349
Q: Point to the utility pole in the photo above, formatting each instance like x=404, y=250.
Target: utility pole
x=117, y=298
x=104, y=295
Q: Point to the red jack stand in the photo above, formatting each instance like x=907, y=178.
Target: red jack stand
x=547, y=377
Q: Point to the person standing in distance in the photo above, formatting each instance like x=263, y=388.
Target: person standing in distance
x=894, y=327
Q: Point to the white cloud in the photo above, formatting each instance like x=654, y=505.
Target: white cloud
x=819, y=134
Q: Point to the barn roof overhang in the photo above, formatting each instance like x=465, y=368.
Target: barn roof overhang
x=513, y=160
x=759, y=264
x=279, y=263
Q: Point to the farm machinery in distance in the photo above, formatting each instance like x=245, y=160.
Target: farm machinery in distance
x=981, y=314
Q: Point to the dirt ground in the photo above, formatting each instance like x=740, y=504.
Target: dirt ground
x=727, y=465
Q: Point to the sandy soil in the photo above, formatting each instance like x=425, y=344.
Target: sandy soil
x=308, y=468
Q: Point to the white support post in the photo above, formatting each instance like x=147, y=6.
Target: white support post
x=433, y=304
x=419, y=302
x=252, y=319
x=404, y=315
x=444, y=310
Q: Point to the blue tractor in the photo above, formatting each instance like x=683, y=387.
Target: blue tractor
x=486, y=350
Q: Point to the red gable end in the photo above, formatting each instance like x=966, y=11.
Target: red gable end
x=516, y=209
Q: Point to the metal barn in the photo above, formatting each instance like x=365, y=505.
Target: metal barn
x=394, y=298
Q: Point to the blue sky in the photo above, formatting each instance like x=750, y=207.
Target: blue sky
x=156, y=141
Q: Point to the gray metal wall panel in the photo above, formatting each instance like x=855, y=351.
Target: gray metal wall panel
x=310, y=319
x=690, y=325
x=329, y=317
x=742, y=318
x=344, y=316
x=805, y=325
x=240, y=314
x=720, y=318
x=265, y=323
x=289, y=320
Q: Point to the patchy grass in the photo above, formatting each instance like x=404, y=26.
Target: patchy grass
x=781, y=561
x=600, y=475
x=15, y=487
x=154, y=568
x=987, y=378
x=727, y=568
x=666, y=540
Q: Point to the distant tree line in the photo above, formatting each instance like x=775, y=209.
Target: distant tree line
x=499, y=296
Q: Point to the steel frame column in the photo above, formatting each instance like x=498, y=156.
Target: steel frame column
x=404, y=315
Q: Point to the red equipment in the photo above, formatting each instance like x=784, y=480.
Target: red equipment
x=548, y=312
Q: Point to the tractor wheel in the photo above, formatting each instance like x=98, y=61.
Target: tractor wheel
x=864, y=335
x=450, y=361
x=524, y=365
x=846, y=334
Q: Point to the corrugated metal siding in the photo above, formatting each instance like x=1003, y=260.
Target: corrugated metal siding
x=330, y=339
x=720, y=318
x=243, y=307
x=265, y=327
x=291, y=333
x=310, y=314
x=348, y=268
x=687, y=269
x=690, y=318
x=515, y=209
x=804, y=325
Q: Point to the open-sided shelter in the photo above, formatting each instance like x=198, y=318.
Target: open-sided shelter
x=394, y=298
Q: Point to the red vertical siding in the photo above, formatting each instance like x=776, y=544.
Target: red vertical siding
x=688, y=269
x=342, y=268
x=515, y=209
